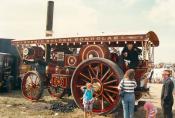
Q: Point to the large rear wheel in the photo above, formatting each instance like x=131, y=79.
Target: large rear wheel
x=32, y=85
x=103, y=73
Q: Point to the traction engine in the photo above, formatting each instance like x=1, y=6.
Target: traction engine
x=64, y=65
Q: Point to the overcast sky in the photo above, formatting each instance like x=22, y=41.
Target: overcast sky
x=23, y=19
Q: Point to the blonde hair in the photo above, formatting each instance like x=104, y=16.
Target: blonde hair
x=130, y=74
x=88, y=85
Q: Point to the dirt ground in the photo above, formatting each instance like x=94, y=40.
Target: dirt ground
x=13, y=105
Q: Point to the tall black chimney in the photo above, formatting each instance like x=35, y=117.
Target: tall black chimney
x=49, y=31
x=49, y=23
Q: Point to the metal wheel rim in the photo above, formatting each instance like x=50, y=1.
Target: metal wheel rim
x=110, y=94
x=31, y=86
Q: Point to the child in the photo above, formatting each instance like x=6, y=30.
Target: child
x=88, y=99
x=151, y=110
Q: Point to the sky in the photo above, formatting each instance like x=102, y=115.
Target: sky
x=26, y=19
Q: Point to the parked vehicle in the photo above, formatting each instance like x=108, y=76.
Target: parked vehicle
x=61, y=64
x=9, y=66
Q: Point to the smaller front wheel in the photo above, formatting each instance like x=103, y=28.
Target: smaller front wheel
x=32, y=85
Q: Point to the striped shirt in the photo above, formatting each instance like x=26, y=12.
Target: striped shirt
x=127, y=85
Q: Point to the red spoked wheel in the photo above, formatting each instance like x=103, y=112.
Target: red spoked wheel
x=103, y=73
x=32, y=85
x=56, y=92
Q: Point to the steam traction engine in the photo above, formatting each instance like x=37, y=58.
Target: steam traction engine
x=62, y=64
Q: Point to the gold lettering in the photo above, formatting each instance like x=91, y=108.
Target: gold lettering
x=87, y=39
x=76, y=39
x=109, y=38
x=103, y=39
x=98, y=38
x=69, y=39
x=115, y=37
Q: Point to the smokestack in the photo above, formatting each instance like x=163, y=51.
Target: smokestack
x=49, y=31
x=49, y=23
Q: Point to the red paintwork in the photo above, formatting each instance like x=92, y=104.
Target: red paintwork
x=34, y=52
x=60, y=72
x=60, y=81
x=98, y=39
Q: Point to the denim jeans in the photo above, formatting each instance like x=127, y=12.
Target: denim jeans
x=128, y=102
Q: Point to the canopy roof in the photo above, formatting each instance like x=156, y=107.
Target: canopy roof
x=111, y=40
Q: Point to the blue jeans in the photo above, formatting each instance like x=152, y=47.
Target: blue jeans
x=128, y=102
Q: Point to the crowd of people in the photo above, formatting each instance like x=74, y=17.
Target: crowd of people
x=129, y=60
x=128, y=85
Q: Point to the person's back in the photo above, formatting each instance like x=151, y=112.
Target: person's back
x=127, y=86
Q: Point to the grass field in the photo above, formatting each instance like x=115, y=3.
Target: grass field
x=13, y=105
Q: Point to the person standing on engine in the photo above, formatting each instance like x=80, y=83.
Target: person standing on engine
x=133, y=53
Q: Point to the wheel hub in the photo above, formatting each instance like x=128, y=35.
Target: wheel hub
x=98, y=87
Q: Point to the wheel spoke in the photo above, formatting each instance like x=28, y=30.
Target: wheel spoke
x=27, y=88
x=101, y=70
x=31, y=80
x=90, y=75
x=92, y=69
x=103, y=95
x=110, y=97
x=35, y=91
x=105, y=74
x=108, y=77
x=102, y=103
x=114, y=87
x=97, y=69
x=37, y=85
x=85, y=81
x=112, y=81
x=85, y=76
x=110, y=91
x=28, y=84
x=28, y=92
x=79, y=86
x=31, y=92
x=36, y=79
